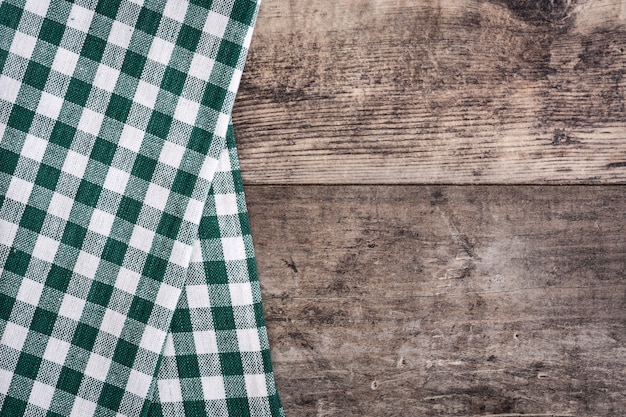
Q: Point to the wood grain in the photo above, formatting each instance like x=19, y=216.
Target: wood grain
x=435, y=92
x=456, y=301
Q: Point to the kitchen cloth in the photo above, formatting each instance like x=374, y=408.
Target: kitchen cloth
x=128, y=283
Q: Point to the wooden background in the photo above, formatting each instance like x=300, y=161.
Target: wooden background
x=436, y=191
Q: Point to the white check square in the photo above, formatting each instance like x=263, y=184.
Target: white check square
x=171, y=154
x=256, y=385
x=101, y=222
x=34, y=148
x=161, y=51
x=90, y=122
x=226, y=204
x=14, y=336
x=80, y=18
x=141, y=238
x=146, y=94
x=19, y=190
x=65, y=61
x=198, y=296
x=30, y=291
x=234, y=248
x=116, y=180
x=75, y=164
x=169, y=391
x=213, y=387
x=186, y=111
x=45, y=248
x=205, y=342
x=49, y=105
x=113, y=322
x=216, y=24
x=97, y=367
x=240, y=294
x=152, y=339
x=60, y=206
x=23, y=45
x=10, y=88
x=71, y=307
x=106, y=78
x=201, y=67
x=41, y=395
x=56, y=350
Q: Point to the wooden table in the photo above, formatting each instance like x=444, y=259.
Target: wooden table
x=436, y=191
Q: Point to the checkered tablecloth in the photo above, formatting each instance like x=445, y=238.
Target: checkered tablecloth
x=128, y=283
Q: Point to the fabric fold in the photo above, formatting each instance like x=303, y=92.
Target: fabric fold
x=128, y=282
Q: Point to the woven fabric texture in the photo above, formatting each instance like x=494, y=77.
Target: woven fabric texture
x=128, y=284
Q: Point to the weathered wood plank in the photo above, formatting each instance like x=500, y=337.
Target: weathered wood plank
x=435, y=91
x=457, y=301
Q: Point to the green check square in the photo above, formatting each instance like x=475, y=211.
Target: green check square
x=111, y=397
x=28, y=365
x=188, y=37
x=188, y=366
x=169, y=225
x=17, y=262
x=133, y=64
x=199, y=140
x=154, y=267
x=103, y=151
x=62, y=134
x=118, y=108
x=51, y=32
x=184, y=183
x=194, y=408
x=181, y=321
x=88, y=193
x=228, y=53
x=114, y=251
x=223, y=318
x=10, y=15
x=93, y=47
x=3, y=58
x=13, y=407
x=100, y=293
x=43, y=321
x=108, y=8
x=140, y=310
x=33, y=219
x=74, y=235
x=6, y=305
x=77, y=92
x=85, y=336
x=21, y=118
x=173, y=81
x=48, y=177
x=216, y=270
x=69, y=380
x=8, y=161
x=143, y=167
x=58, y=277
x=244, y=12
x=231, y=363
x=129, y=209
x=159, y=124
x=239, y=407
x=125, y=353
x=36, y=75
x=213, y=97
x=148, y=21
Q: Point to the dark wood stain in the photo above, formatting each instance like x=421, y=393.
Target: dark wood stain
x=434, y=91
x=495, y=300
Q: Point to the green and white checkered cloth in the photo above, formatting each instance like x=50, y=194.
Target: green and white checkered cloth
x=128, y=284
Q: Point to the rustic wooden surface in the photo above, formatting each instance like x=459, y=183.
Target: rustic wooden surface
x=456, y=301
x=428, y=295
x=435, y=91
